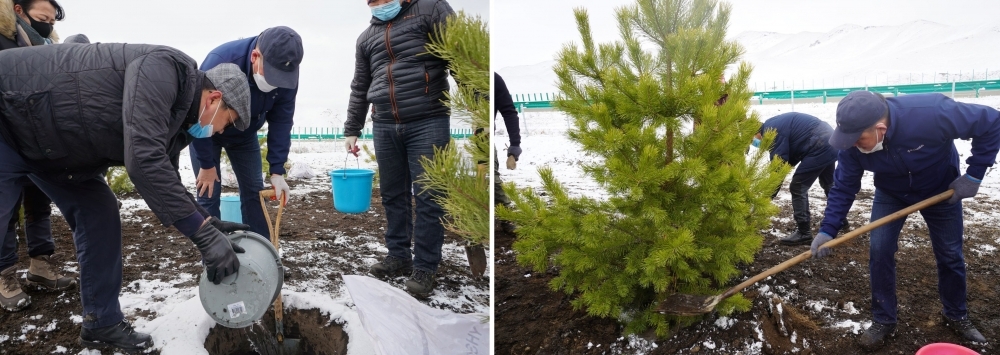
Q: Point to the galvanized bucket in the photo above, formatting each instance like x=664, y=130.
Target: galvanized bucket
x=243, y=298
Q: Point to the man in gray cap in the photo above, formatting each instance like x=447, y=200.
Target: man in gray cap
x=68, y=112
x=270, y=62
x=907, y=142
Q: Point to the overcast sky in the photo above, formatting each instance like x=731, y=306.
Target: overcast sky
x=329, y=30
x=526, y=32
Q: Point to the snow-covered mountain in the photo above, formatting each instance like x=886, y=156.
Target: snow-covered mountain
x=844, y=56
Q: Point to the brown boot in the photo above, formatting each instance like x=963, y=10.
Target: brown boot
x=42, y=272
x=12, y=298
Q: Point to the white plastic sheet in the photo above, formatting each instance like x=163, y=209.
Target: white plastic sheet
x=400, y=325
x=301, y=171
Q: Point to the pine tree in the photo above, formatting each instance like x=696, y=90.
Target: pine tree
x=685, y=204
x=463, y=179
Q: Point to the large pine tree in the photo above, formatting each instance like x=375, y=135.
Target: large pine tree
x=686, y=203
x=463, y=178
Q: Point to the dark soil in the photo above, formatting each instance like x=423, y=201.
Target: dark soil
x=309, y=223
x=533, y=319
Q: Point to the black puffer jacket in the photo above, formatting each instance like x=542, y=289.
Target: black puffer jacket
x=72, y=110
x=393, y=72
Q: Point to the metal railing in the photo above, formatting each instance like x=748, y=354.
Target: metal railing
x=331, y=133
x=545, y=100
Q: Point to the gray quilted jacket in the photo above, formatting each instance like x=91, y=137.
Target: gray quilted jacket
x=72, y=110
x=393, y=72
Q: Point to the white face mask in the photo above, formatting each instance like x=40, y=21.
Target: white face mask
x=877, y=147
x=259, y=78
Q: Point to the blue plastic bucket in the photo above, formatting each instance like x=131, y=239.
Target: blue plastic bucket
x=352, y=189
x=230, y=209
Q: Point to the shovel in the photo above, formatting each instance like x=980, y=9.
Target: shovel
x=693, y=305
x=286, y=346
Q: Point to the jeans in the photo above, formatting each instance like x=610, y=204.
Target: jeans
x=244, y=156
x=37, y=227
x=91, y=210
x=399, y=148
x=944, y=222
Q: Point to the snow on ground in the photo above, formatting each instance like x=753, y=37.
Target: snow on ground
x=545, y=143
x=181, y=324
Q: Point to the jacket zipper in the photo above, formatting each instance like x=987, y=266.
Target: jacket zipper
x=427, y=82
x=897, y=160
x=392, y=87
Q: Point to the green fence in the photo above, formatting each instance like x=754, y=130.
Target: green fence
x=544, y=101
x=331, y=133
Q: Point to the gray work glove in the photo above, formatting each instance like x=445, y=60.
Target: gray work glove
x=818, y=240
x=514, y=151
x=965, y=186
x=217, y=253
x=227, y=227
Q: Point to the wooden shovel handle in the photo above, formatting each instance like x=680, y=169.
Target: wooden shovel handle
x=275, y=230
x=842, y=239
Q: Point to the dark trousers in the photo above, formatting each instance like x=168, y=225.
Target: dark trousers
x=244, y=156
x=37, y=226
x=799, y=187
x=91, y=210
x=399, y=149
x=499, y=196
x=944, y=222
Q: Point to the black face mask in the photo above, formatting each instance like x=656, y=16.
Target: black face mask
x=44, y=29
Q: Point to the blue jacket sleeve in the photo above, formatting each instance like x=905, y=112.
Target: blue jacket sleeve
x=279, y=131
x=846, y=184
x=780, y=149
x=978, y=122
x=203, y=147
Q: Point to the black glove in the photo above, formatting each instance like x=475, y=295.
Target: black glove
x=514, y=151
x=227, y=227
x=965, y=186
x=217, y=253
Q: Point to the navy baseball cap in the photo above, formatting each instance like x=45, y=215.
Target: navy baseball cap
x=858, y=111
x=282, y=50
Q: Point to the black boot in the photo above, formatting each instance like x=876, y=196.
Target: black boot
x=121, y=336
x=964, y=328
x=802, y=236
x=876, y=336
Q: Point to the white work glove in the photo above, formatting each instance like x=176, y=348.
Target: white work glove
x=281, y=189
x=351, y=143
x=206, y=181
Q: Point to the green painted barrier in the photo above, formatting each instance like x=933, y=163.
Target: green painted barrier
x=544, y=101
x=331, y=133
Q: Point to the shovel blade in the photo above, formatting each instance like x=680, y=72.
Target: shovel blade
x=290, y=347
x=688, y=305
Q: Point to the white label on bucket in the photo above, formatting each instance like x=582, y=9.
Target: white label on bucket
x=236, y=310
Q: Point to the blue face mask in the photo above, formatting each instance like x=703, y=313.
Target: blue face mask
x=387, y=11
x=755, y=143
x=199, y=131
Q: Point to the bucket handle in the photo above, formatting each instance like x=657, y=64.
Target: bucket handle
x=356, y=161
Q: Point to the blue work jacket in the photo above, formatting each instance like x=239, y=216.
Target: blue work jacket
x=918, y=159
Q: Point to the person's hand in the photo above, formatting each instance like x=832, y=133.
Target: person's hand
x=217, y=253
x=351, y=143
x=206, y=181
x=514, y=151
x=227, y=227
x=965, y=186
x=281, y=189
x=818, y=240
